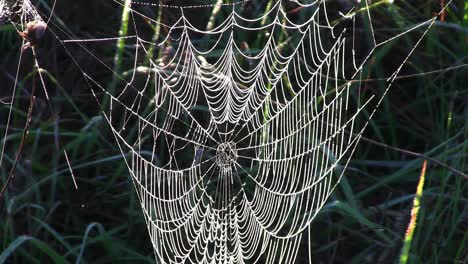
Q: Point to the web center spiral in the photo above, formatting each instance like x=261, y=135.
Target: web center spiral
x=226, y=155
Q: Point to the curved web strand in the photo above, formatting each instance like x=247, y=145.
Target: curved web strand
x=232, y=151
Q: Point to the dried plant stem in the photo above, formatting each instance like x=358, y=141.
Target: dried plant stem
x=13, y=96
x=52, y=112
x=11, y=174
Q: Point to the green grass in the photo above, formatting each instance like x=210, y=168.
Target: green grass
x=414, y=217
x=43, y=219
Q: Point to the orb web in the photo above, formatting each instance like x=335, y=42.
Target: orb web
x=234, y=150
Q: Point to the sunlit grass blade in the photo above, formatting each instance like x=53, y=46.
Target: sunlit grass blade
x=120, y=48
x=414, y=217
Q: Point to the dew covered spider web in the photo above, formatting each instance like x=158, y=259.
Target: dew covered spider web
x=235, y=134
x=236, y=131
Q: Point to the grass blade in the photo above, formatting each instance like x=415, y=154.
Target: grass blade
x=39, y=244
x=414, y=217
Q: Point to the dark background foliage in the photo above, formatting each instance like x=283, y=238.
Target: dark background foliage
x=43, y=219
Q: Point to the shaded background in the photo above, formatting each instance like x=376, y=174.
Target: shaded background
x=43, y=219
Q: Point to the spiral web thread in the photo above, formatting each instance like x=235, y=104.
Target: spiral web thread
x=233, y=152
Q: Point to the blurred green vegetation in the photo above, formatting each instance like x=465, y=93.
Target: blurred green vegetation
x=43, y=219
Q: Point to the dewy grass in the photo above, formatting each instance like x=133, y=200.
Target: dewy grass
x=414, y=217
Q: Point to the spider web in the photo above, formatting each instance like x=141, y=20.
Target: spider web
x=233, y=151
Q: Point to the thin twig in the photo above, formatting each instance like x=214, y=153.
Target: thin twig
x=18, y=67
x=11, y=175
x=54, y=116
